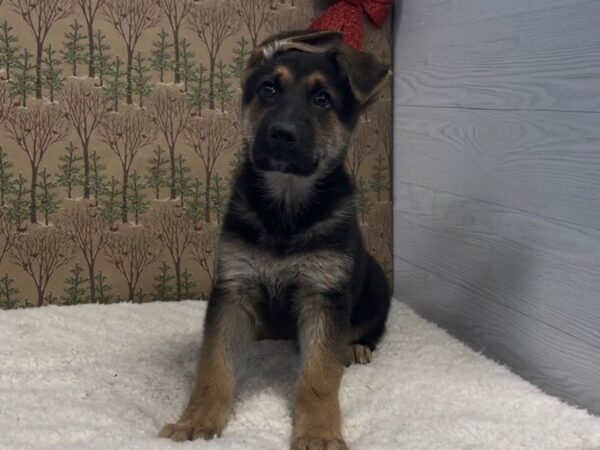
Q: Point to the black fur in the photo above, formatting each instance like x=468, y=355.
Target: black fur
x=290, y=261
x=258, y=220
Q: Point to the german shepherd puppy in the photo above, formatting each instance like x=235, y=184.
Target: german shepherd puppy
x=290, y=261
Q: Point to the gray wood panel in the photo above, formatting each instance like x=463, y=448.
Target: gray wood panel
x=522, y=289
x=509, y=54
x=546, y=163
x=497, y=181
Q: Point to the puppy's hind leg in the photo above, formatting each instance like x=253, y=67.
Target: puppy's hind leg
x=229, y=327
x=369, y=315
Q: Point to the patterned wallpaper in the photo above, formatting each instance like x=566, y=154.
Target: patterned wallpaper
x=119, y=136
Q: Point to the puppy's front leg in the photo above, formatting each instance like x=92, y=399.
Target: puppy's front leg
x=317, y=415
x=229, y=328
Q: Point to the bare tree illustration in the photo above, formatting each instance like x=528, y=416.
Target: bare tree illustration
x=89, y=232
x=255, y=14
x=176, y=233
x=41, y=16
x=131, y=18
x=360, y=149
x=209, y=137
x=90, y=9
x=214, y=22
x=40, y=254
x=6, y=100
x=172, y=113
x=202, y=250
x=131, y=251
x=126, y=134
x=85, y=107
x=35, y=130
x=176, y=11
x=285, y=21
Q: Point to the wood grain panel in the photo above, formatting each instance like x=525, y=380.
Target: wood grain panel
x=497, y=181
x=509, y=54
x=523, y=289
x=547, y=163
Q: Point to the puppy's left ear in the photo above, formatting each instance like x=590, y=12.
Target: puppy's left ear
x=366, y=74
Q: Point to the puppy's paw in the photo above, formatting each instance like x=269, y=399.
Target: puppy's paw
x=318, y=443
x=188, y=431
x=358, y=354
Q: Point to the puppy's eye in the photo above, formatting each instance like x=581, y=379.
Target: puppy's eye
x=268, y=90
x=323, y=100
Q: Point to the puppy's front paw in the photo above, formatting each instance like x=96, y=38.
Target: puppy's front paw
x=358, y=354
x=318, y=443
x=188, y=431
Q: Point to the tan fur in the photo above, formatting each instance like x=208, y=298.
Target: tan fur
x=358, y=354
x=316, y=78
x=332, y=139
x=284, y=75
x=319, y=79
x=211, y=401
x=321, y=270
x=317, y=415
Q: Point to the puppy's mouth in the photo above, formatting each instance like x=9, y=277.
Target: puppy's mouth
x=303, y=166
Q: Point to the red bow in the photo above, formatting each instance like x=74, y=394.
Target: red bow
x=346, y=16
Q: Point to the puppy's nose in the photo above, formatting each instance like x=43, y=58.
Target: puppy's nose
x=283, y=135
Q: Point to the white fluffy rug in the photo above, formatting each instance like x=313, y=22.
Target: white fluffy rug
x=108, y=377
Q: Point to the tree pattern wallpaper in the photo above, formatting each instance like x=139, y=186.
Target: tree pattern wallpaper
x=119, y=136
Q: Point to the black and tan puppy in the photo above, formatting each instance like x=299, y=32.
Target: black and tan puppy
x=290, y=262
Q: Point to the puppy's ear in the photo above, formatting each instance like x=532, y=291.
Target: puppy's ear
x=306, y=41
x=366, y=74
x=312, y=41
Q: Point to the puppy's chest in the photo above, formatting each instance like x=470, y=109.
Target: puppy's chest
x=281, y=274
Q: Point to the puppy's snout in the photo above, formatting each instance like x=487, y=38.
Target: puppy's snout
x=283, y=135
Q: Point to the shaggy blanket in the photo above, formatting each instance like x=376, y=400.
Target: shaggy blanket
x=109, y=377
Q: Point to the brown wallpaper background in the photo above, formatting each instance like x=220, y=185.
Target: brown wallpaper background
x=119, y=136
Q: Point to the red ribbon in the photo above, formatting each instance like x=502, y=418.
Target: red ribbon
x=347, y=16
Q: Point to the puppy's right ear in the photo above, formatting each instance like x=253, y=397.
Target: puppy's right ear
x=305, y=41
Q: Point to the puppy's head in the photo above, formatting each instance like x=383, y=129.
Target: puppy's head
x=303, y=94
